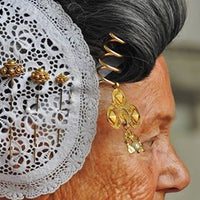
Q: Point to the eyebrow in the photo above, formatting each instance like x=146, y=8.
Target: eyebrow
x=163, y=119
x=166, y=117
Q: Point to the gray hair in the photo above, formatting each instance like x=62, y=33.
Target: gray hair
x=147, y=26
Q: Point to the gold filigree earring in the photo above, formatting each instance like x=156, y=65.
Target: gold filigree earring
x=120, y=114
x=11, y=70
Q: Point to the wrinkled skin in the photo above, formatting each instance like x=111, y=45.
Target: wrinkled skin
x=110, y=172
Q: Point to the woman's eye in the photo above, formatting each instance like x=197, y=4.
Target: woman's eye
x=150, y=142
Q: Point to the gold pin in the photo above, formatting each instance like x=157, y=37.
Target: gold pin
x=60, y=79
x=11, y=70
x=39, y=76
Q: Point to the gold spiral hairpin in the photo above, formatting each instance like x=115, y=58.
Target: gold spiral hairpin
x=120, y=113
x=110, y=53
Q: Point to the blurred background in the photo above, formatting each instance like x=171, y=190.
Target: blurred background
x=183, y=58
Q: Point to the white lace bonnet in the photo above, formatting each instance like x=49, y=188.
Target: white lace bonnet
x=46, y=128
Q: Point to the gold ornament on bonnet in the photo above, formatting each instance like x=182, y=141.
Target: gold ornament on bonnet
x=60, y=80
x=11, y=70
x=39, y=76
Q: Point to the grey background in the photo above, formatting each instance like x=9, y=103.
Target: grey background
x=183, y=58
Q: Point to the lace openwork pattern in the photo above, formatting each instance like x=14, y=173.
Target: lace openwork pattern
x=39, y=34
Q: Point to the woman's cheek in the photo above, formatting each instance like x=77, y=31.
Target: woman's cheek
x=144, y=182
x=137, y=177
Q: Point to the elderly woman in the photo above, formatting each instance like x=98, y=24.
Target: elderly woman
x=50, y=101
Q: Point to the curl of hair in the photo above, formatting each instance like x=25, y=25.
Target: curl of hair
x=147, y=27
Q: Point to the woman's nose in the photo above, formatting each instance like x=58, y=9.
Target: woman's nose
x=173, y=174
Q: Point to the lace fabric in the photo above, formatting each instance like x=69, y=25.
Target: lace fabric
x=38, y=33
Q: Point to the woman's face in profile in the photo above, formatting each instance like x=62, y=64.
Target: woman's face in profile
x=110, y=172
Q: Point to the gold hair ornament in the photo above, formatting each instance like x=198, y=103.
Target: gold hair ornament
x=60, y=80
x=120, y=113
x=39, y=76
x=11, y=70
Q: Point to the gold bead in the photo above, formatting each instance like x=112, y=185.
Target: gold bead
x=41, y=70
x=11, y=62
x=4, y=70
x=37, y=76
x=11, y=71
x=19, y=69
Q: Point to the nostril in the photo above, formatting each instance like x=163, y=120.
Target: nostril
x=172, y=190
